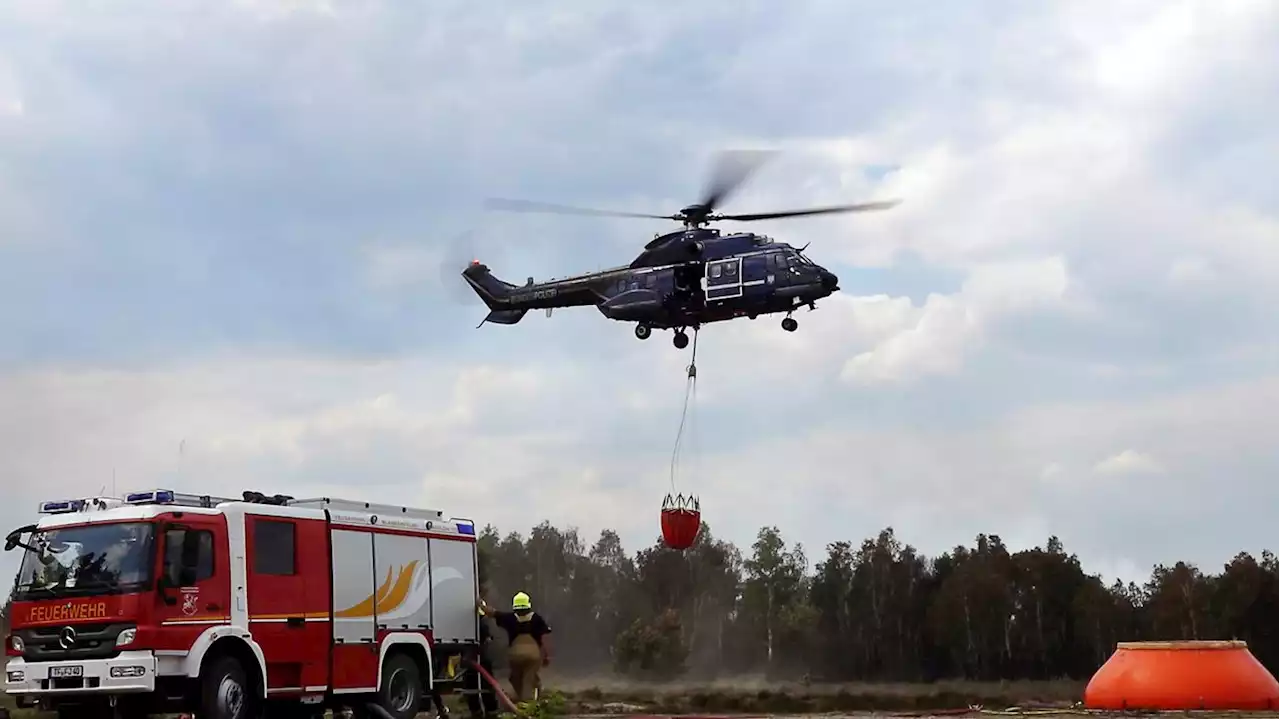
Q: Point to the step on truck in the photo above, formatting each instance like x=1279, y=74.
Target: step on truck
x=240, y=608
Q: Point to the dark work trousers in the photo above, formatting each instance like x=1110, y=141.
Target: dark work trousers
x=486, y=703
x=525, y=658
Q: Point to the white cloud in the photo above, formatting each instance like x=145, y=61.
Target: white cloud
x=1191, y=271
x=1052, y=471
x=947, y=328
x=1128, y=462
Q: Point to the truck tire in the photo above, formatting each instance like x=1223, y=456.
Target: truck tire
x=401, y=691
x=225, y=691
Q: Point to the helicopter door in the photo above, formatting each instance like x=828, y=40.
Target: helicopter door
x=724, y=279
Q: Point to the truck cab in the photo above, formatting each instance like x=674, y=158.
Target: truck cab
x=164, y=602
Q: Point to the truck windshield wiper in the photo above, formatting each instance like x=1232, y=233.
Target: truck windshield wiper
x=31, y=588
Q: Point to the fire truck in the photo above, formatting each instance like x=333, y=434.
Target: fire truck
x=160, y=601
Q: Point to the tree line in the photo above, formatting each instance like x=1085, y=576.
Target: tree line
x=875, y=611
x=878, y=611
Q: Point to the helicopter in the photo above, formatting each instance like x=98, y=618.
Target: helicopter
x=685, y=278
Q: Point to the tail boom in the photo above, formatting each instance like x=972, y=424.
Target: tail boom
x=508, y=303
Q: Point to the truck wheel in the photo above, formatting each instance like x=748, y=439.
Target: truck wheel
x=401, y=690
x=225, y=692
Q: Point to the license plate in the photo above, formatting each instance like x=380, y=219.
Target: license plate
x=66, y=672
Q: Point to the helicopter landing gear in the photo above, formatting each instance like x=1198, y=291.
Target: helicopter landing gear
x=789, y=324
x=680, y=340
x=643, y=331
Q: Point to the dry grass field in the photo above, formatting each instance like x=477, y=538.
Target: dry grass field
x=757, y=696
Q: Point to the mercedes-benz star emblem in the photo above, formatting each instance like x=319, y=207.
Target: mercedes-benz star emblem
x=67, y=637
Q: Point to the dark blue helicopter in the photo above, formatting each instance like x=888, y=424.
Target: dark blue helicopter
x=682, y=279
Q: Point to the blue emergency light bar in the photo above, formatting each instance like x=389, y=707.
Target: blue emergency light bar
x=155, y=496
x=466, y=528
x=62, y=507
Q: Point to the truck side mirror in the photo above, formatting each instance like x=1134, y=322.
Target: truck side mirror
x=163, y=585
x=14, y=538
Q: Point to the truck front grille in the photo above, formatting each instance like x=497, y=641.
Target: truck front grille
x=92, y=641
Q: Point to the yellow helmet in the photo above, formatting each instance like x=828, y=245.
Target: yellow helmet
x=520, y=602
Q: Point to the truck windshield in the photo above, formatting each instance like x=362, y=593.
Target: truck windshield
x=86, y=560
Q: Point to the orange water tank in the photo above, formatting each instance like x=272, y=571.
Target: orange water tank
x=1182, y=676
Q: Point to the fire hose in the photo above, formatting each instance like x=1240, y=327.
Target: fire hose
x=497, y=690
x=507, y=704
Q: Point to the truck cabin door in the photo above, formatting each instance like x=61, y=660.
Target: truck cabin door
x=194, y=588
x=288, y=591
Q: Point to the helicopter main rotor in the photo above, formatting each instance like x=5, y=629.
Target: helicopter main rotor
x=730, y=170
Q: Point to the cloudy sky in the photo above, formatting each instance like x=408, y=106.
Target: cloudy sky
x=222, y=228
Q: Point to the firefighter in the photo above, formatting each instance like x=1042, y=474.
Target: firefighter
x=528, y=641
x=484, y=703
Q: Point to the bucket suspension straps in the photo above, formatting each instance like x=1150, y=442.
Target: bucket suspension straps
x=681, y=513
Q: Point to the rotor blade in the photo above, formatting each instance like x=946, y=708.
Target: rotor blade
x=506, y=205
x=730, y=169
x=863, y=207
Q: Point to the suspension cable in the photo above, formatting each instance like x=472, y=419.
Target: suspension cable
x=690, y=392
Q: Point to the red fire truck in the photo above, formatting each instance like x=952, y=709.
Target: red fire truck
x=160, y=602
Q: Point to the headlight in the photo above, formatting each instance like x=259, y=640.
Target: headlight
x=14, y=677
x=16, y=643
x=127, y=672
x=126, y=637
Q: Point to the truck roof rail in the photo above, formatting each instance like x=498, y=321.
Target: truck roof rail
x=350, y=505
x=180, y=499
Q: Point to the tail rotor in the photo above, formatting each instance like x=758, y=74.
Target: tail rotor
x=459, y=253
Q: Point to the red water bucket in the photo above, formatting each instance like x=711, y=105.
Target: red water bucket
x=681, y=520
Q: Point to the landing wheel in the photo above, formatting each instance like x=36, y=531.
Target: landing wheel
x=681, y=340
x=789, y=324
x=643, y=332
